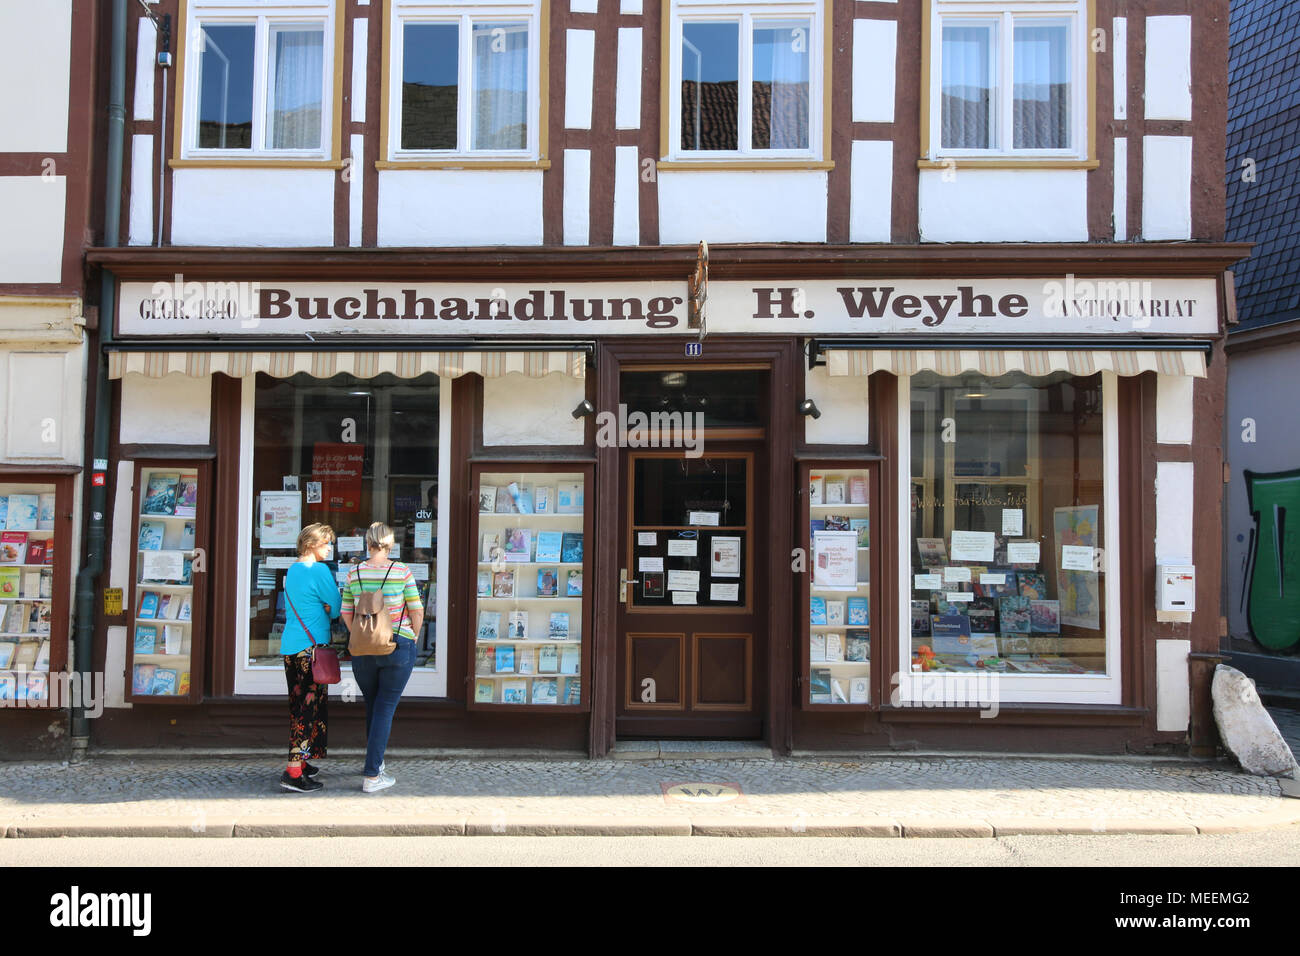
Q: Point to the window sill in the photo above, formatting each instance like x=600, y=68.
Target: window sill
x=809, y=164
x=255, y=162
x=1007, y=162
x=463, y=164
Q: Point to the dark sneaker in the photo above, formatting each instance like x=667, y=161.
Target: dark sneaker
x=310, y=772
x=299, y=784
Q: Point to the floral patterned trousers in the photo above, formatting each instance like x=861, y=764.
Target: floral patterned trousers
x=308, y=709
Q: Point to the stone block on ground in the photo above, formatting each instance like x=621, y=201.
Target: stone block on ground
x=1247, y=730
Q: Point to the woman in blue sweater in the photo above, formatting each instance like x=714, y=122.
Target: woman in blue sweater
x=312, y=600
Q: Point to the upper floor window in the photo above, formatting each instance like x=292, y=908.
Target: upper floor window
x=746, y=82
x=464, y=81
x=258, y=80
x=1008, y=79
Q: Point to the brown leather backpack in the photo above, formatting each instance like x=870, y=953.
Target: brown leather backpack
x=371, y=631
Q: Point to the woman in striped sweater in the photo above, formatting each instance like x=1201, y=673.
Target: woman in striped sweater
x=382, y=679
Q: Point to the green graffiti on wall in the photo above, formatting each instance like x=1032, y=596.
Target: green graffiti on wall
x=1273, y=607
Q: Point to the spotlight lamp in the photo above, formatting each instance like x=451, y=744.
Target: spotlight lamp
x=809, y=407
x=584, y=409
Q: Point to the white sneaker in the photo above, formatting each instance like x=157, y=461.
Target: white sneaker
x=382, y=782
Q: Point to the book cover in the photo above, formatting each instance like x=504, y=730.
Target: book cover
x=173, y=638
x=819, y=690
x=573, y=583
x=24, y=513
x=142, y=678
x=514, y=691
x=187, y=496
x=817, y=610
x=49, y=552
x=183, y=685
x=558, y=627
x=485, y=691
x=570, y=659
x=10, y=582
x=859, y=611
x=834, y=647
x=13, y=547
x=548, y=659
x=518, y=621
x=503, y=584
x=1008, y=588
x=1045, y=617
x=7, y=651
x=863, y=527
x=504, y=504
x=817, y=646
x=816, y=524
x=572, y=691
x=485, y=584
x=487, y=499
x=47, y=584
x=8, y=687
x=571, y=548
x=816, y=484
x=548, y=582
x=838, y=694
x=186, y=611
x=950, y=634
x=568, y=497
x=525, y=660
x=549, y=545
x=187, y=536
x=45, y=512
x=1013, y=612
x=164, y=682
x=858, y=490
x=857, y=646
x=522, y=497
x=146, y=638
x=932, y=551
x=543, y=500
x=485, y=659
x=834, y=491
x=25, y=656
x=35, y=686
x=160, y=494
x=519, y=544
x=859, y=690
x=505, y=659
x=149, y=601
x=151, y=535
x=492, y=549
x=983, y=614
x=489, y=625
x=546, y=690
x=165, y=602
x=837, y=523
x=17, y=618
x=31, y=582
x=36, y=550
x=835, y=613
x=1033, y=586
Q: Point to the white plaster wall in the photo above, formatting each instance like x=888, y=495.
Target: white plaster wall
x=1174, y=516
x=582, y=6
x=1119, y=65
x=119, y=545
x=356, y=186
x=253, y=207
x=1119, y=208
x=140, y=216
x=627, y=89
x=871, y=191
x=471, y=207
x=843, y=404
x=31, y=244
x=1004, y=205
x=1169, y=68
x=1174, y=409
x=146, y=49
x=35, y=71
x=627, y=197
x=579, y=75
x=1166, y=187
x=360, y=35
x=577, y=196
x=187, y=403
x=874, y=46
x=518, y=410
x=44, y=396
x=630, y=7
x=1173, y=686
x=742, y=206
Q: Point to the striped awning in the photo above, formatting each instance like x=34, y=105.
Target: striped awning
x=994, y=362
x=361, y=364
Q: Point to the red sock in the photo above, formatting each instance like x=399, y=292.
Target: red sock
x=295, y=772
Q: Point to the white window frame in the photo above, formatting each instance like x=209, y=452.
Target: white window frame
x=466, y=15
x=748, y=14
x=1107, y=688
x=263, y=16
x=1006, y=15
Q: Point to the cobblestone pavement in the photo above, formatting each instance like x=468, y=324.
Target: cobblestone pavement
x=905, y=794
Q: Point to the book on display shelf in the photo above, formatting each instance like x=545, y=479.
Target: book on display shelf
x=518, y=623
x=859, y=690
x=572, y=691
x=570, y=659
x=835, y=613
x=484, y=584
x=45, y=511
x=518, y=544
x=817, y=646
x=817, y=610
x=859, y=612
x=816, y=489
x=573, y=584
x=505, y=659
x=485, y=691
x=146, y=638
x=522, y=496
x=568, y=497
x=164, y=682
x=160, y=494
x=149, y=601
x=142, y=679
x=1033, y=586
x=10, y=582
x=819, y=691
x=548, y=582
x=503, y=584
x=571, y=548
x=558, y=626
x=525, y=660
x=186, y=611
x=838, y=694
x=543, y=500
x=546, y=690
x=549, y=545
x=487, y=499
x=834, y=490
x=514, y=691
x=187, y=536
x=173, y=638
x=23, y=514
x=13, y=547
x=1013, y=613
x=863, y=527
x=31, y=582
x=35, y=686
x=187, y=496
x=857, y=646
x=492, y=548
x=834, y=647
x=47, y=583
x=504, y=504
x=1045, y=617
x=16, y=618
x=858, y=490
x=485, y=660
x=36, y=550
x=8, y=649
x=489, y=625
x=548, y=659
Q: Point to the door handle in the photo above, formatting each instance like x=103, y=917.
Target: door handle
x=623, y=582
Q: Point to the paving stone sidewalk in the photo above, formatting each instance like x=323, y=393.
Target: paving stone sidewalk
x=887, y=796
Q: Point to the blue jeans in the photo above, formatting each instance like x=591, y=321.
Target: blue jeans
x=382, y=680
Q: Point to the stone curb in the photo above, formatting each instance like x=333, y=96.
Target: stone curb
x=508, y=825
x=425, y=825
x=121, y=827
x=795, y=826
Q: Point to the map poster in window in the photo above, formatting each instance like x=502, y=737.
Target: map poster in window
x=1078, y=591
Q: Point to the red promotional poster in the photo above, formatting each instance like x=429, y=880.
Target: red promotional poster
x=338, y=468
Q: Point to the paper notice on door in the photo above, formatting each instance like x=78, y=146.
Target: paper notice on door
x=703, y=517
x=650, y=564
x=724, y=557
x=167, y=565
x=928, y=582
x=424, y=534
x=1013, y=521
x=1023, y=552
x=724, y=592
x=1076, y=558
x=646, y=538
x=684, y=597
x=277, y=561
x=957, y=597
x=993, y=578
x=956, y=575
x=683, y=549
x=683, y=580
x=419, y=571
x=349, y=545
x=972, y=546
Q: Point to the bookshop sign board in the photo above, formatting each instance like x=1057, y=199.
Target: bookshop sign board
x=1065, y=306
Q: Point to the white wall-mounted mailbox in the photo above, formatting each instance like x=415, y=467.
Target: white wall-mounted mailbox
x=1175, y=587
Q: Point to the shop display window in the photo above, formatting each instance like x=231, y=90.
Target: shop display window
x=344, y=452
x=532, y=537
x=1008, y=481
x=164, y=645
x=29, y=630
x=837, y=593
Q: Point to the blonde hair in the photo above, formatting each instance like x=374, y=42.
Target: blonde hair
x=313, y=536
x=379, y=536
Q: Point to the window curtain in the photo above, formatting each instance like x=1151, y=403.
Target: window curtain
x=500, y=118
x=295, y=107
x=967, y=99
x=1041, y=105
x=780, y=87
